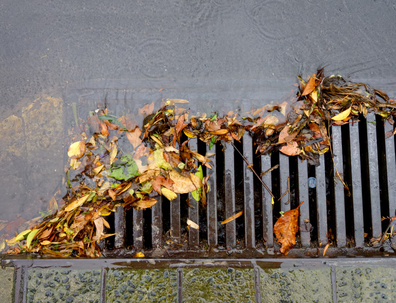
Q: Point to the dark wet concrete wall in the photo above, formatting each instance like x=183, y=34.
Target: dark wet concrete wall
x=239, y=49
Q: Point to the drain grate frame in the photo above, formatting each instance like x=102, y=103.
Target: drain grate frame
x=362, y=156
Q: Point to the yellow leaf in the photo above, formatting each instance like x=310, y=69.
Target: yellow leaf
x=113, y=154
x=189, y=134
x=46, y=242
x=233, y=217
x=31, y=236
x=76, y=150
x=77, y=203
x=343, y=115
x=314, y=96
x=98, y=169
x=173, y=101
x=192, y=224
x=22, y=235
x=170, y=195
x=160, y=160
x=272, y=201
x=139, y=255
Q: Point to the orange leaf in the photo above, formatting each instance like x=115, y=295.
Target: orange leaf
x=286, y=228
x=291, y=149
x=146, y=203
x=112, y=194
x=311, y=85
x=219, y=132
x=284, y=135
x=233, y=217
x=160, y=180
x=103, y=129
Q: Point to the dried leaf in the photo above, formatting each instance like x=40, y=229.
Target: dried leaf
x=311, y=85
x=184, y=185
x=103, y=129
x=134, y=137
x=31, y=236
x=343, y=115
x=174, y=101
x=233, y=217
x=139, y=255
x=77, y=203
x=286, y=228
x=192, y=224
x=222, y=131
x=161, y=181
x=76, y=150
x=284, y=135
x=291, y=149
x=45, y=242
x=170, y=195
x=113, y=154
x=145, y=203
x=99, y=229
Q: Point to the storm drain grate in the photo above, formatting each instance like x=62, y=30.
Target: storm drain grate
x=347, y=218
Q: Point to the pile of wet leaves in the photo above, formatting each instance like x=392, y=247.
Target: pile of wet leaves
x=101, y=176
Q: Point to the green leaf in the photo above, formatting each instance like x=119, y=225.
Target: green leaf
x=212, y=142
x=160, y=160
x=147, y=188
x=197, y=193
x=31, y=236
x=112, y=119
x=124, y=169
x=214, y=117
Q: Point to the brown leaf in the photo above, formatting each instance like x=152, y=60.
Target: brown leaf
x=291, y=149
x=144, y=203
x=99, y=229
x=184, y=185
x=311, y=85
x=103, y=129
x=112, y=194
x=161, y=181
x=134, y=137
x=284, y=135
x=286, y=228
x=76, y=150
x=233, y=217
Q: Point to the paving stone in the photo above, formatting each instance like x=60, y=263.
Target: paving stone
x=140, y=285
x=296, y=285
x=366, y=284
x=6, y=284
x=63, y=285
x=218, y=285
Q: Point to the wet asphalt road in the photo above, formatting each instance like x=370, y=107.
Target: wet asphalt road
x=58, y=48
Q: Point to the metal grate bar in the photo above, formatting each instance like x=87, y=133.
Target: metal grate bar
x=193, y=210
x=284, y=181
x=339, y=187
x=212, y=201
x=137, y=229
x=391, y=169
x=357, y=194
x=304, y=208
x=119, y=228
x=175, y=220
x=156, y=225
x=250, y=240
x=321, y=201
x=374, y=176
x=229, y=201
x=268, y=232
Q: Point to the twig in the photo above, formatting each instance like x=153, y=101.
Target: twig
x=254, y=172
x=286, y=192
